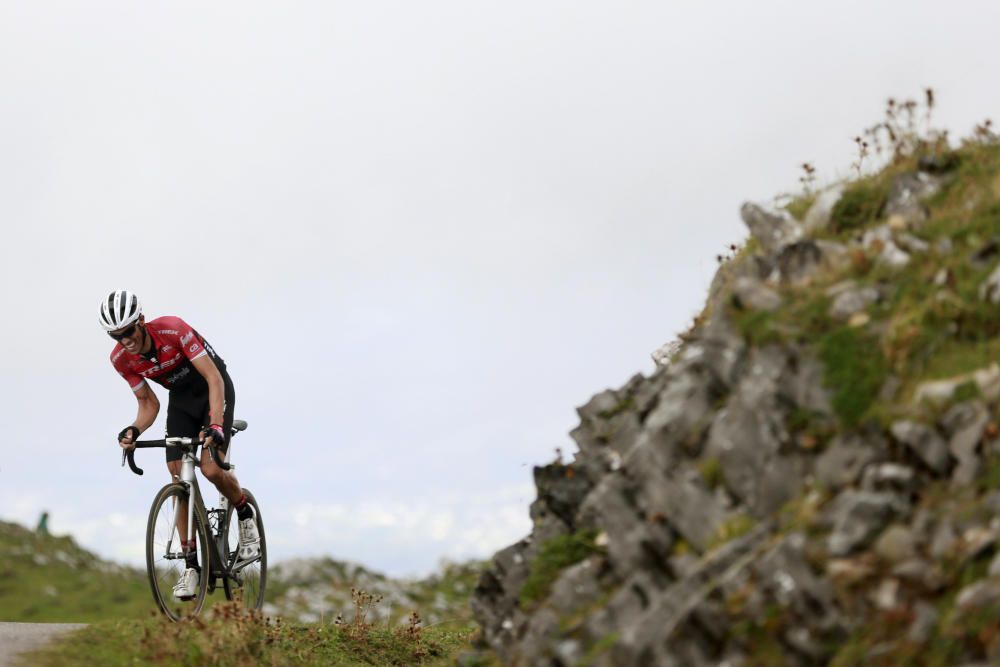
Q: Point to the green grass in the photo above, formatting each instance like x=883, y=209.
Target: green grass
x=802, y=318
x=50, y=579
x=966, y=392
x=710, y=469
x=854, y=369
x=598, y=649
x=990, y=478
x=624, y=404
x=858, y=206
x=799, y=206
x=553, y=557
x=234, y=638
x=757, y=327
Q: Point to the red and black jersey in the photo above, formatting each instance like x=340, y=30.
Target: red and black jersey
x=168, y=363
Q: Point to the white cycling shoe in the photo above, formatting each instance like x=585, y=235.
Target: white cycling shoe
x=249, y=539
x=187, y=586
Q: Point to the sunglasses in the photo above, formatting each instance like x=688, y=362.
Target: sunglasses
x=128, y=333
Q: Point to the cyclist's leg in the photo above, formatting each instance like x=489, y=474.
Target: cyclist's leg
x=182, y=421
x=225, y=482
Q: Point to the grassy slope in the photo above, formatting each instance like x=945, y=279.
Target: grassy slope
x=51, y=579
x=230, y=637
x=48, y=579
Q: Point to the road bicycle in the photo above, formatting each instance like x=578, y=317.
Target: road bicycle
x=215, y=529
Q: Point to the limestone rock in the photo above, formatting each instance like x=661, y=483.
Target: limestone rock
x=944, y=541
x=881, y=239
x=849, y=571
x=494, y=601
x=836, y=256
x=662, y=355
x=911, y=244
x=990, y=289
x=979, y=595
x=849, y=302
x=753, y=295
x=842, y=461
x=896, y=544
x=925, y=618
x=920, y=575
x=906, y=194
x=818, y=216
x=939, y=391
x=944, y=246
x=772, y=229
x=978, y=541
x=859, y=518
x=561, y=489
x=798, y=261
x=994, y=570
x=892, y=477
x=964, y=423
x=886, y=596
x=924, y=441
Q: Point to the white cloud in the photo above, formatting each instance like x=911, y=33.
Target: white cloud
x=416, y=534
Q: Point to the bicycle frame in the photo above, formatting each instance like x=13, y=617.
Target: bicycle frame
x=197, y=504
x=218, y=552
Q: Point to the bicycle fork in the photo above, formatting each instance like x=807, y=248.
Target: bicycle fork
x=186, y=477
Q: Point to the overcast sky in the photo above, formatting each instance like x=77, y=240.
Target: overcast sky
x=420, y=234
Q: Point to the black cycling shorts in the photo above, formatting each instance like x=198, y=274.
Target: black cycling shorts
x=187, y=414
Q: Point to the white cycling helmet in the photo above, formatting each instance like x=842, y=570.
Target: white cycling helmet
x=120, y=309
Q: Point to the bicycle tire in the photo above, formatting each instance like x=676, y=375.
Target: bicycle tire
x=164, y=560
x=251, y=579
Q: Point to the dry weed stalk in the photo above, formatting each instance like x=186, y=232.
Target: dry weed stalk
x=983, y=132
x=862, y=154
x=364, y=603
x=232, y=635
x=808, y=178
x=412, y=630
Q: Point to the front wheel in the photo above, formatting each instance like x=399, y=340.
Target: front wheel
x=245, y=581
x=165, y=561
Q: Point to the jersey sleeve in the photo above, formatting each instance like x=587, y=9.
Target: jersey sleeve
x=135, y=381
x=190, y=343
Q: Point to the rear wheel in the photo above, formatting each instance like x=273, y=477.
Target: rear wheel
x=249, y=578
x=165, y=561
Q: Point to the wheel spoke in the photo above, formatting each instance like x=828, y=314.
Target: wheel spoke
x=249, y=577
x=165, y=560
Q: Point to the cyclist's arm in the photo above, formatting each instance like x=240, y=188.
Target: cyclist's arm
x=216, y=388
x=149, y=407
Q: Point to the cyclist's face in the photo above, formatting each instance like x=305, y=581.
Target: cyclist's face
x=130, y=337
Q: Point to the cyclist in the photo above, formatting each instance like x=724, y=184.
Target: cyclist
x=169, y=352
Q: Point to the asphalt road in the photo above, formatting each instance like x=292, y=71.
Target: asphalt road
x=19, y=637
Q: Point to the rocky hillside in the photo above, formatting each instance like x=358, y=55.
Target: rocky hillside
x=812, y=475
x=314, y=590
